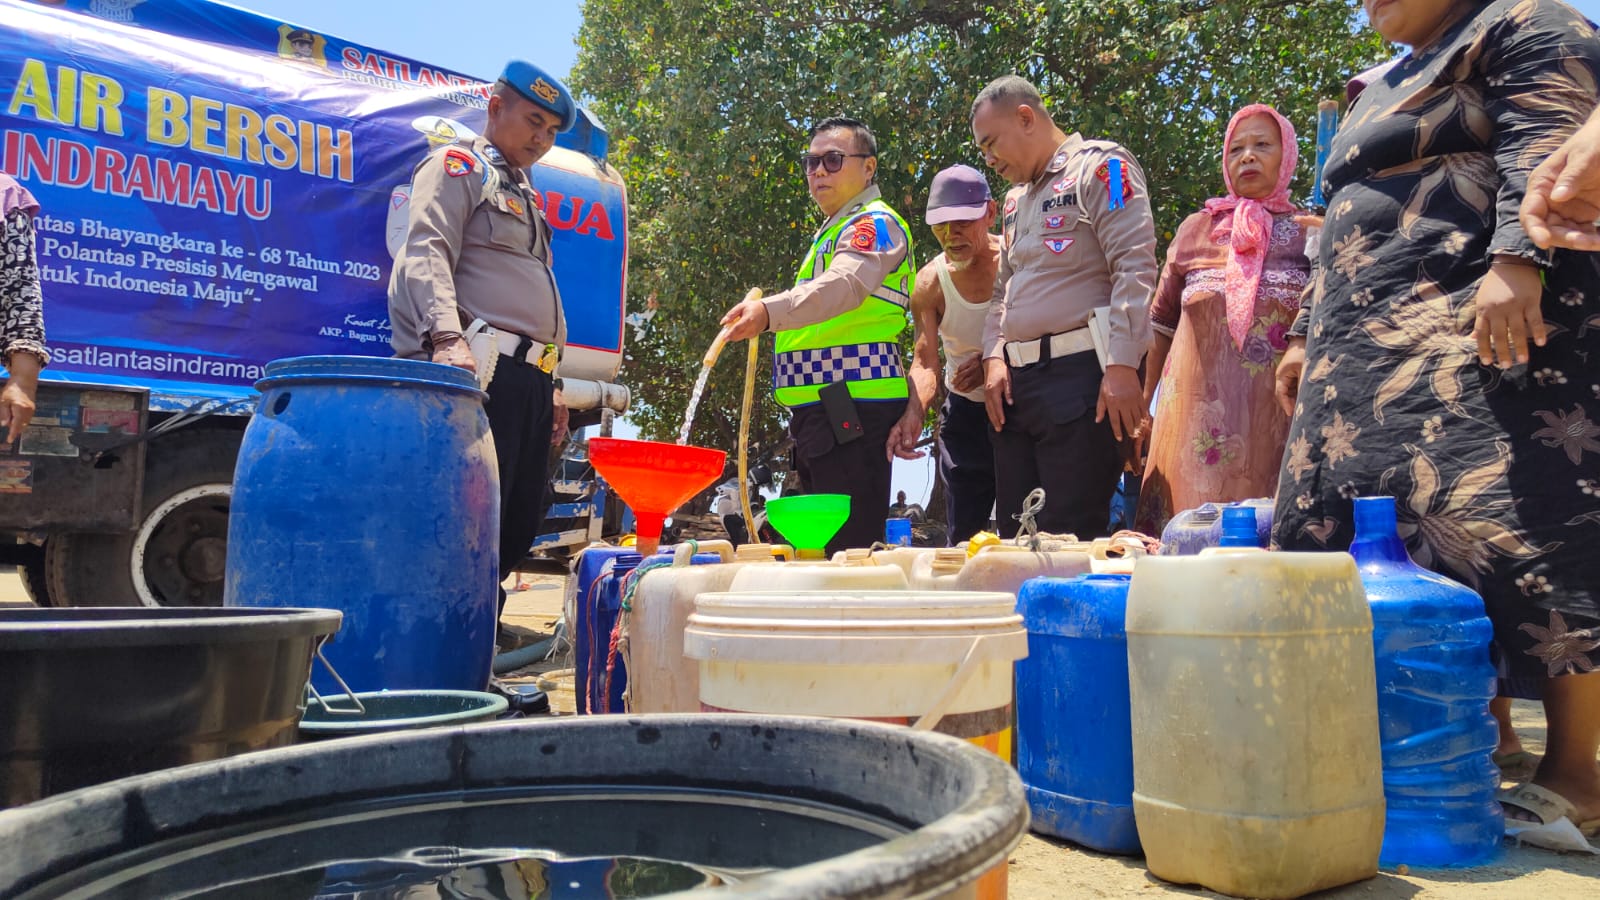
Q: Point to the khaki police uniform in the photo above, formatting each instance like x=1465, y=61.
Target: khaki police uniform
x=477, y=246
x=1065, y=253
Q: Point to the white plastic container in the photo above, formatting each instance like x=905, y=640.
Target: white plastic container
x=820, y=576
x=660, y=678
x=934, y=660
x=996, y=568
x=1257, y=769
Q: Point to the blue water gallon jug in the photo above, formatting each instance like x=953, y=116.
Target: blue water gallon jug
x=369, y=486
x=1074, y=738
x=1435, y=681
x=1193, y=530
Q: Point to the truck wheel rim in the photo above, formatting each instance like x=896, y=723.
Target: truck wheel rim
x=182, y=541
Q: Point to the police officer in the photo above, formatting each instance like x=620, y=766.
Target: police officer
x=1077, y=236
x=477, y=249
x=838, y=365
x=949, y=305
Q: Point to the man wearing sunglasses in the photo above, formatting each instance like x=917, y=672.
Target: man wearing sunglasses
x=838, y=366
x=1069, y=322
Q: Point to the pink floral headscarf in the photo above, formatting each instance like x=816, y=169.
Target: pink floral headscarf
x=1250, y=222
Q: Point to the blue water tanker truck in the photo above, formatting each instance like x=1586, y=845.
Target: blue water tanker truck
x=219, y=189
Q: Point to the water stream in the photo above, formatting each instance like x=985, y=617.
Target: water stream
x=694, y=403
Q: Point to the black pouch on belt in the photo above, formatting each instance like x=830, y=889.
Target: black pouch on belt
x=841, y=411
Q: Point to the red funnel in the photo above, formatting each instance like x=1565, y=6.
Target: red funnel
x=654, y=478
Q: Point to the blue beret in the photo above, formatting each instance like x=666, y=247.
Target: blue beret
x=542, y=90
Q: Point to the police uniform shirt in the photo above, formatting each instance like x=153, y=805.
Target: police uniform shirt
x=852, y=274
x=1065, y=252
x=477, y=247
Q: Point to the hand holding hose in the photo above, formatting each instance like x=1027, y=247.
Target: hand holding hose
x=746, y=320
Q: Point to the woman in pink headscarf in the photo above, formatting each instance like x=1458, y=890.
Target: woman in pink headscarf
x=1221, y=315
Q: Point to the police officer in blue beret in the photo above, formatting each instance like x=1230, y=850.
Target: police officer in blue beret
x=473, y=288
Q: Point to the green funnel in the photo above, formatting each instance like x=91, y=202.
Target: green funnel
x=809, y=521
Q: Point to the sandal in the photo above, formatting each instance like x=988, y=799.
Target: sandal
x=1547, y=806
x=1518, y=765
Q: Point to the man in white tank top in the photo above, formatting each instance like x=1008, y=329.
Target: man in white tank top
x=949, y=304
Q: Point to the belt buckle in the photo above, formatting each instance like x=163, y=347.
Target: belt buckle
x=548, y=359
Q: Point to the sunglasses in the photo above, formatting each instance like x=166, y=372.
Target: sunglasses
x=833, y=160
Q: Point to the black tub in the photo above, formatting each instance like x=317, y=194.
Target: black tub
x=842, y=809
x=92, y=694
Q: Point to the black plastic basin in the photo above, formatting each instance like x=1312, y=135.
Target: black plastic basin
x=92, y=694
x=791, y=808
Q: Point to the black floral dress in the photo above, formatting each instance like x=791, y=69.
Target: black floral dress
x=1496, y=474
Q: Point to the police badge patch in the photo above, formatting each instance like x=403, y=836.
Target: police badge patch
x=492, y=154
x=1011, y=204
x=1054, y=222
x=1104, y=174
x=865, y=236
x=1064, y=185
x=1058, y=246
x=458, y=163
x=515, y=205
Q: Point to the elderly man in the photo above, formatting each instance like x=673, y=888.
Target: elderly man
x=477, y=259
x=1077, y=237
x=838, y=363
x=949, y=305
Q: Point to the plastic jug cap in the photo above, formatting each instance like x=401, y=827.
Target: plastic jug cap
x=980, y=541
x=858, y=556
x=949, y=560
x=1239, y=527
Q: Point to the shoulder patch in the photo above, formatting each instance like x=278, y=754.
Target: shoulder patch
x=459, y=162
x=1104, y=174
x=492, y=154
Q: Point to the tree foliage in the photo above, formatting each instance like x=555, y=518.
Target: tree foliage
x=709, y=102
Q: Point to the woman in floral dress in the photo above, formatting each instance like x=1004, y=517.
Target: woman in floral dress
x=1413, y=380
x=1221, y=315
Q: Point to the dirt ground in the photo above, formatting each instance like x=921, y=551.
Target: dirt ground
x=1045, y=869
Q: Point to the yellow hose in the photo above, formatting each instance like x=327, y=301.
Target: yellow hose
x=744, y=426
x=722, y=336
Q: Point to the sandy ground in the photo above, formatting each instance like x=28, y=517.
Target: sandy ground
x=1045, y=869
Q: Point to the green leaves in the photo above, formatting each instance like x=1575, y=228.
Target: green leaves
x=692, y=90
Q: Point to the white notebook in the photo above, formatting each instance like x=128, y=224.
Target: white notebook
x=1100, y=334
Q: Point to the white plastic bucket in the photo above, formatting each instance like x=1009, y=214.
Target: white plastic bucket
x=940, y=661
x=935, y=661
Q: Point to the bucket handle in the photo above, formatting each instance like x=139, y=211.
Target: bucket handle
x=360, y=709
x=684, y=553
x=964, y=672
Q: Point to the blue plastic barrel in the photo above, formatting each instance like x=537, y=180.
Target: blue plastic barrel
x=1074, y=729
x=369, y=486
x=1435, y=681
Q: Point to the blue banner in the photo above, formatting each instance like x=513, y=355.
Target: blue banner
x=219, y=189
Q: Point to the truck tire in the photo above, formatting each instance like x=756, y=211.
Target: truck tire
x=176, y=553
x=31, y=574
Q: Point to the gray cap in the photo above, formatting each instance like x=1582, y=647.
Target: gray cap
x=959, y=194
